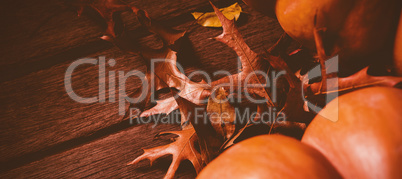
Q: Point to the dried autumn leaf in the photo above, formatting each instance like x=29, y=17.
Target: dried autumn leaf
x=356, y=81
x=228, y=143
x=209, y=141
x=295, y=102
x=168, y=35
x=106, y=8
x=210, y=19
x=164, y=106
x=293, y=106
x=142, y=103
x=276, y=127
x=165, y=73
x=250, y=61
x=181, y=149
x=109, y=8
x=288, y=128
x=221, y=113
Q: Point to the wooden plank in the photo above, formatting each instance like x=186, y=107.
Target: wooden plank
x=106, y=158
x=36, y=111
x=39, y=119
x=41, y=34
x=40, y=28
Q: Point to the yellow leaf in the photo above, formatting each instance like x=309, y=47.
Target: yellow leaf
x=209, y=19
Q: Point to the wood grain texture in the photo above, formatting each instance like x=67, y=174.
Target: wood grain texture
x=106, y=158
x=40, y=121
x=41, y=28
x=41, y=34
x=36, y=111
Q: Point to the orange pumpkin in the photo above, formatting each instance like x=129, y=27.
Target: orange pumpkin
x=366, y=140
x=362, y=32
x=358, y=26
x=270, y=156
x=398, y=48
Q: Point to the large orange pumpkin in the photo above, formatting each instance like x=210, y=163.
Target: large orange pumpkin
x=270, y=156
x=362, y=32
x=398, y=48
x=366, y=140
x=358, y=26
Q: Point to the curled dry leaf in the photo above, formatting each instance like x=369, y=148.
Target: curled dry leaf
x=210, y=19
x=106, y=8
x=168, y=35
x=288, y=128
x=209, y=140
x=361, y=79
x=165, y=106
x=181, y=149
x=109, y=8
x=293, y=106
x=167, y=75
x=221, y=113
x=250, y=62
x=230, y=141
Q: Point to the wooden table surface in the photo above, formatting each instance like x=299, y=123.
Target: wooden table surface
x=46, y=134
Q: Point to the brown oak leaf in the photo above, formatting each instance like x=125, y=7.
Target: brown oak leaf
x=230, y=141
x=360, y=79
x=181, y=149
x=250, y=61
x=221, y=113
x=293, y=106
x=162, y=71
x=167, y=75
x=289, y=128
x=109, y=8
x=208, y=138
x=106, y=8
x=168, y=35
